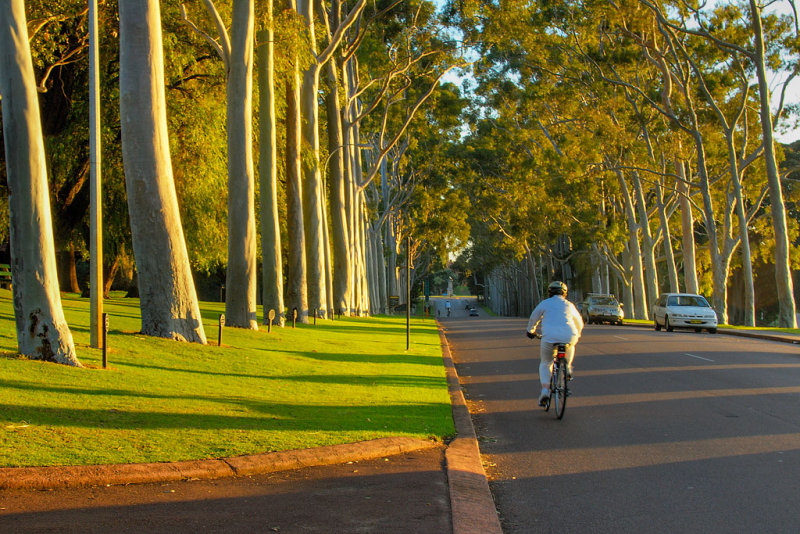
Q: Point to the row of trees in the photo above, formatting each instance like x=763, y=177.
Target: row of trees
x=333, y=215
x=645, y=128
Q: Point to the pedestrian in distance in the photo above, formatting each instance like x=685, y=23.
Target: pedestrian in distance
x=560, y=323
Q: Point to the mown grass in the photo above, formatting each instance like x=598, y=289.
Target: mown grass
x=338, y=382
x=728, y=326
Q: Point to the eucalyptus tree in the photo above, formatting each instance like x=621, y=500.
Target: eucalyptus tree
x=168, y=300
x=42, y=331
x=753, y=49
x=272, y=259
x=236, y=51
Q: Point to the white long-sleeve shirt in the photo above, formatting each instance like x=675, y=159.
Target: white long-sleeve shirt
x=561, y=322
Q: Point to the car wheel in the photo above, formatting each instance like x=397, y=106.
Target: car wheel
x=667, y=326
x=656, y=325
x=712, y=330
x=698, y=330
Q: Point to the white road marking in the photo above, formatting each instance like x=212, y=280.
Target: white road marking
x=698, y=357
x=622, y=338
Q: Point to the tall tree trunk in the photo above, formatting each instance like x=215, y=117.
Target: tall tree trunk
x=648, y=245
x=42, y=331
x=168, y=299
x=272, y=261
x=341, y=231
x=687, y=225
x=783, y=274
x=296, y=294
x=240, y=282
x=641, y=310
x=672, y=273
x=312, y=183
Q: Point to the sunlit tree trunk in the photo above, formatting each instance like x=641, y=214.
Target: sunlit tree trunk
x=296, y=292
x=240, y=282
x=272, y=262
x=341, y=231
x=687, y=225
x=42, y=331
x=312, y=183
x=672, y=273
x=168, y=299
x=641, y=310
x=783, y=275
x=648, y=245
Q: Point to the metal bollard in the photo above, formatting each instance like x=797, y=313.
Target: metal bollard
x=105, y=340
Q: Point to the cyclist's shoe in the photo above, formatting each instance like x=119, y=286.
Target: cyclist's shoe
x=569, y=372
x=544, y=396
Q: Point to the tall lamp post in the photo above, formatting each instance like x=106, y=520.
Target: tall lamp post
x=95, y=209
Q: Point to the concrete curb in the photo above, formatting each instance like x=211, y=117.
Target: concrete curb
x=100, y=475
x=471, y=504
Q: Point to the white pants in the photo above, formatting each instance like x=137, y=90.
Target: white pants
x=547, y=352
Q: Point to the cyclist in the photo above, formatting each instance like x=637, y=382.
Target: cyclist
x=561, y=323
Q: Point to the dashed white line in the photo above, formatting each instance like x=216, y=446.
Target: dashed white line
x=622, y=338
x=698, y=357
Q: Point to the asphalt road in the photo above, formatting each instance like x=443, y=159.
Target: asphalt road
x=664, y=432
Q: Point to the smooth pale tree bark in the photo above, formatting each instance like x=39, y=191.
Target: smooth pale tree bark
x=641, y=311
x=272, y=262
x=313, y=194
x=240, y=282
x=672, y=273
x=342, y=288
x=687, y=226
x=296, y=291
x=42, y=331
x=648, y=244
x=783, y=274
x=236, y=51
x=168, y=298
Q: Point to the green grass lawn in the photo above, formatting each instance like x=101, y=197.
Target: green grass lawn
x=728, y=326
x=338, y=382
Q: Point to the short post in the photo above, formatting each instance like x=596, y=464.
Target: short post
x=408, y=292
x=271, y=317
x=294, y=317
x=221, y=324
x=105, y=339
x=315, y=317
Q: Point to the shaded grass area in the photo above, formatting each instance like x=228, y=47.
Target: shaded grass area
x=338, y=382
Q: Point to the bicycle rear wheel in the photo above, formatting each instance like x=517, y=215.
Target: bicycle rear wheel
x=559, y=388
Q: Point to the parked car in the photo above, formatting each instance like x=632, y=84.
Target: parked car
x=473, y=312
x=597, y=308
x=684, y=310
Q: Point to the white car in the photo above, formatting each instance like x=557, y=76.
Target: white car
x=684, y=310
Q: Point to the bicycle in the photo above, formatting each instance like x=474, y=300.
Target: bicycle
x=559, y=388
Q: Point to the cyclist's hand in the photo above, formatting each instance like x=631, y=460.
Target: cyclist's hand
x=530, y=335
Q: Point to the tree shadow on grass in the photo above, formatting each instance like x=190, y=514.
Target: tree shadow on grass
x=349, y=380
x=399, y=418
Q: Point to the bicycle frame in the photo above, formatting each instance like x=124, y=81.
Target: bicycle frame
x=558, y=381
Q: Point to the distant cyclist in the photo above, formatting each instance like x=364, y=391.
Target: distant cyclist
x=561, y=323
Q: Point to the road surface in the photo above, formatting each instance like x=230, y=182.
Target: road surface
x=665, y=432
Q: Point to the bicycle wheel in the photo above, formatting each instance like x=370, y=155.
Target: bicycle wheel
x=559, y=391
